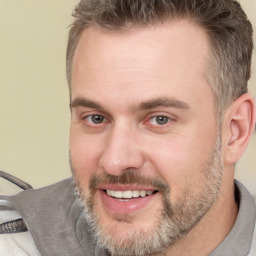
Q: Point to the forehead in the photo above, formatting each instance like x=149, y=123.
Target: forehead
x=170, y=56
x=175, y=36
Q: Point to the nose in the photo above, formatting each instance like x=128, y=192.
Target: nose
x=121, y=152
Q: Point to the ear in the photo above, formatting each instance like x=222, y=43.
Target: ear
x=239, y=123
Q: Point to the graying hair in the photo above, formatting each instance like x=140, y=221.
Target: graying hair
x=228, y=29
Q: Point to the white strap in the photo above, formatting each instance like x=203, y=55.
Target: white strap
x=18, y=244
x=7, y=212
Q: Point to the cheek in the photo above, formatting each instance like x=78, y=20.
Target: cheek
x=85, y=152
x=179, y=160
x=172, y=164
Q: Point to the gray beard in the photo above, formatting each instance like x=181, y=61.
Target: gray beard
x=174, y=221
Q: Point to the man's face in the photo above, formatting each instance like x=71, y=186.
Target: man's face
x=143, y=142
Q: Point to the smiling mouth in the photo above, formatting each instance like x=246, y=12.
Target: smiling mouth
x=122, y=201
x=129, y=194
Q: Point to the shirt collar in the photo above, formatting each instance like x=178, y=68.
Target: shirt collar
x=239, y=240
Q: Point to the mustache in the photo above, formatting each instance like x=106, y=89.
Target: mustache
x=128, y=177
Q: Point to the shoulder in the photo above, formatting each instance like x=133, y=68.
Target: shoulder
x=253, y=246
x=30, y=215
x=36, y=199
x=15, y=207
x=15, y=239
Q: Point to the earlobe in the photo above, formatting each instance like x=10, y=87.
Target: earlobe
x=240, y=124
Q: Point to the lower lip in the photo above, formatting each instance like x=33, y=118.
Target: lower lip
x=125, y=207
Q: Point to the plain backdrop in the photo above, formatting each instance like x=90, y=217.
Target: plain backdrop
x=34, y=112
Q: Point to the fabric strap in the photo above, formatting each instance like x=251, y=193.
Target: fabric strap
x=54, y=217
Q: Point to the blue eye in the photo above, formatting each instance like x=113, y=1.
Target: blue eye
x=95, y=119
x=159, y=120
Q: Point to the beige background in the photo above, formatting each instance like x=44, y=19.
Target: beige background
x=34, y=113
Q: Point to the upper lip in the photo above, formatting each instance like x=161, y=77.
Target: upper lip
x=126, y=187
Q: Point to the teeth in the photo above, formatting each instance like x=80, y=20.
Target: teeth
x=149, y=193
x=143, y=193
x=135, y=193
x=129, y=194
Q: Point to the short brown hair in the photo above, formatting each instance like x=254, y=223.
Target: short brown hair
x=224, y=21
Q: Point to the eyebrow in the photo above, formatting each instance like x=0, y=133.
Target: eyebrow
x=82, y=102
x=162, y=102
x=147, y=105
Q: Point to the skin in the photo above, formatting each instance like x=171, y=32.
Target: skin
x=114, y=75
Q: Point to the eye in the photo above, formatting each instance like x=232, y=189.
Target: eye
x=159, y=120
x=95, y=119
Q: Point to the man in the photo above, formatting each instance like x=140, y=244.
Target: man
x=160, y=115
